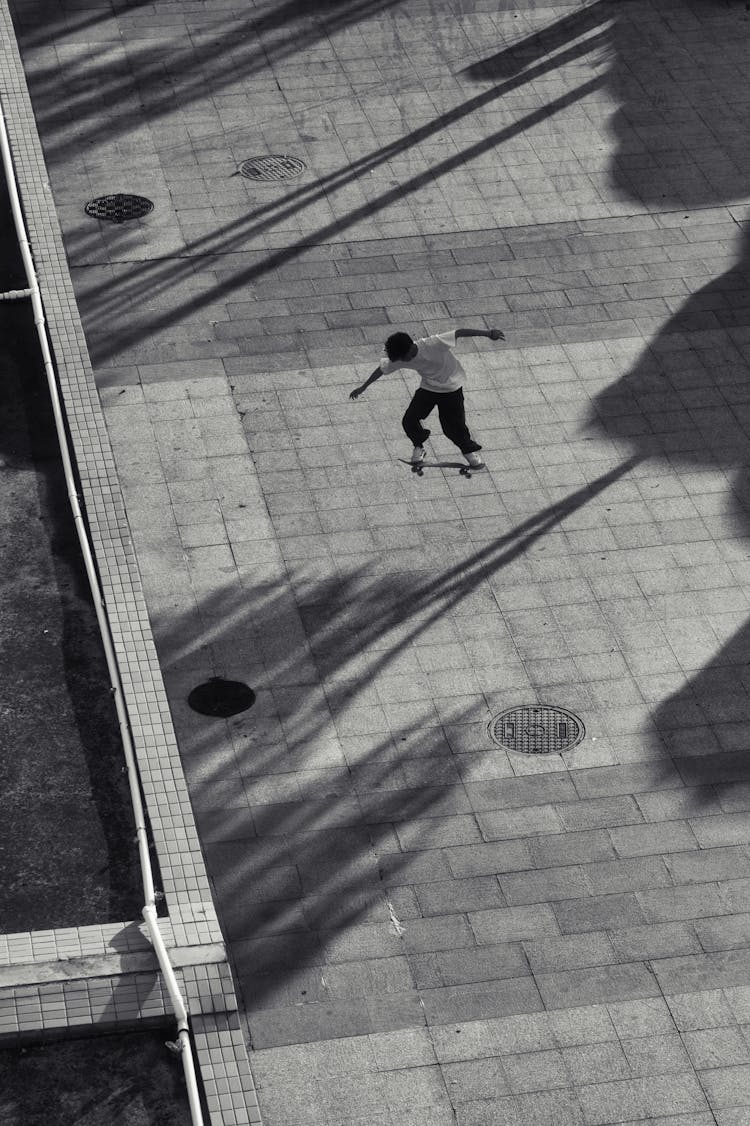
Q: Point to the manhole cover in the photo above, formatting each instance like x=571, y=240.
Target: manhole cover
x=219, y=697
x=537, y=730
x=119, y=208
x=271, y=168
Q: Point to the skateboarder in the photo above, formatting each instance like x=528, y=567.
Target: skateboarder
x=442, y=386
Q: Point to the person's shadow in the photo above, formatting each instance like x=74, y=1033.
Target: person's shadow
x=686, y=402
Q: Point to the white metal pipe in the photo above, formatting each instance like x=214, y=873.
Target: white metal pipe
x=180, y=1012
x=14, y=294
x=149, y=914
x=149, y=910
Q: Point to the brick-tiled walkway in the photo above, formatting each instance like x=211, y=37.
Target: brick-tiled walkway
x=425, y=928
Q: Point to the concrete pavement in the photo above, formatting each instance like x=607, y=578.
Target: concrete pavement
x=426, y=928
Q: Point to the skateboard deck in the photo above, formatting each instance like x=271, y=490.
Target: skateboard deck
x=419, y=466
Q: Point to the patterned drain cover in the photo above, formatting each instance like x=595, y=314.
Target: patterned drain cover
x=536, y=730
x=219, y=697
x=119, y=208
x=272, y=168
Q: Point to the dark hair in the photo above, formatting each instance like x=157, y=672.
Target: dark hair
x=398, y=345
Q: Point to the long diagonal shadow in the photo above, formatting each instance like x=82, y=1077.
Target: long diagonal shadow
x=323, y=862
x=115, y=342
x=204, y=59
x=447, y=591
x=248, y=225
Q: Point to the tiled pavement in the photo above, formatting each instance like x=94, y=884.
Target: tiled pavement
x=424, y=928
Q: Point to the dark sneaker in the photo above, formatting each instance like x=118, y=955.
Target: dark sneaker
x=474, y=460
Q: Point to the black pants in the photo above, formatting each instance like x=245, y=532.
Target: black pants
x=452, y=416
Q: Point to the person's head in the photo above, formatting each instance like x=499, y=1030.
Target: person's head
x=400, y=346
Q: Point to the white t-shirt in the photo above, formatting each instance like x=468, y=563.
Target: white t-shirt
x=435, y=361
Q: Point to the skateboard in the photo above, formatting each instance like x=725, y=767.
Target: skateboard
x=419, y=466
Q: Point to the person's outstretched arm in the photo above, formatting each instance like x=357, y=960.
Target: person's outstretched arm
x=491, y=334
x=363, y=386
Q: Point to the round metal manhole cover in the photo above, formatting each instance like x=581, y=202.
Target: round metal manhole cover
x=119, y=208
x=272, y=168
x=537, y=730
x=222, y=698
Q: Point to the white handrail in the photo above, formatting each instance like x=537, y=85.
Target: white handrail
x=149, y=910
x=14, y=294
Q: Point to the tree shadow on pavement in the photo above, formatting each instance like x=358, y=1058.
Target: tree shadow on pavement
x=686, y=405
x=315, y=806
x=681, y=143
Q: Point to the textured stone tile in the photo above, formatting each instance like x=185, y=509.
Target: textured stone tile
x=656, y=1055
x=569, y=952
x=596, y=985
x=485, y=963
x=641, y=1098
x=535, y=1071
x=657, y=940
x=727, y=1086
x=481, y=1001
x=473, y=1080
x=552, y=884
x=439, y=898
x=598, y=913
x=703, y=971
x=716, y=1047
x=512, y=924
x=440, y=932
x=572, y=848
x=640, y=840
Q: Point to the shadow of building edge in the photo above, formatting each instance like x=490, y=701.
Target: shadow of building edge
x=688, y=391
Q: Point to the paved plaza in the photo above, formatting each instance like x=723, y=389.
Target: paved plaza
x=425, y=928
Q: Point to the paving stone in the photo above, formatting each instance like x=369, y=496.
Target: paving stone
x=509, y=823
x=722, y=933
x=596, y=985
x=569, y=952
x=568, y=882
x=702, y=971
x=439, y=898
x=705, y=865
x=658, y=940
x=608, y=780
x=663, y=905
x=486, y=859
x=519, y=792
x=401, y=1049
x=470, y=965
x=596, y=1063
x=473, y=1080
x=726, y=1086
x=536, y=1108
x=598, y=912
x=640, y=840
x=700, y=1010
x=535, y=1071
x=716, y=1047
x=641, y=1098
x=454, y=1004
x=440, y=932
x=571, y=848
x=627, y=875
x=299, y=1025
x=656, y=1055
x=511, y=924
